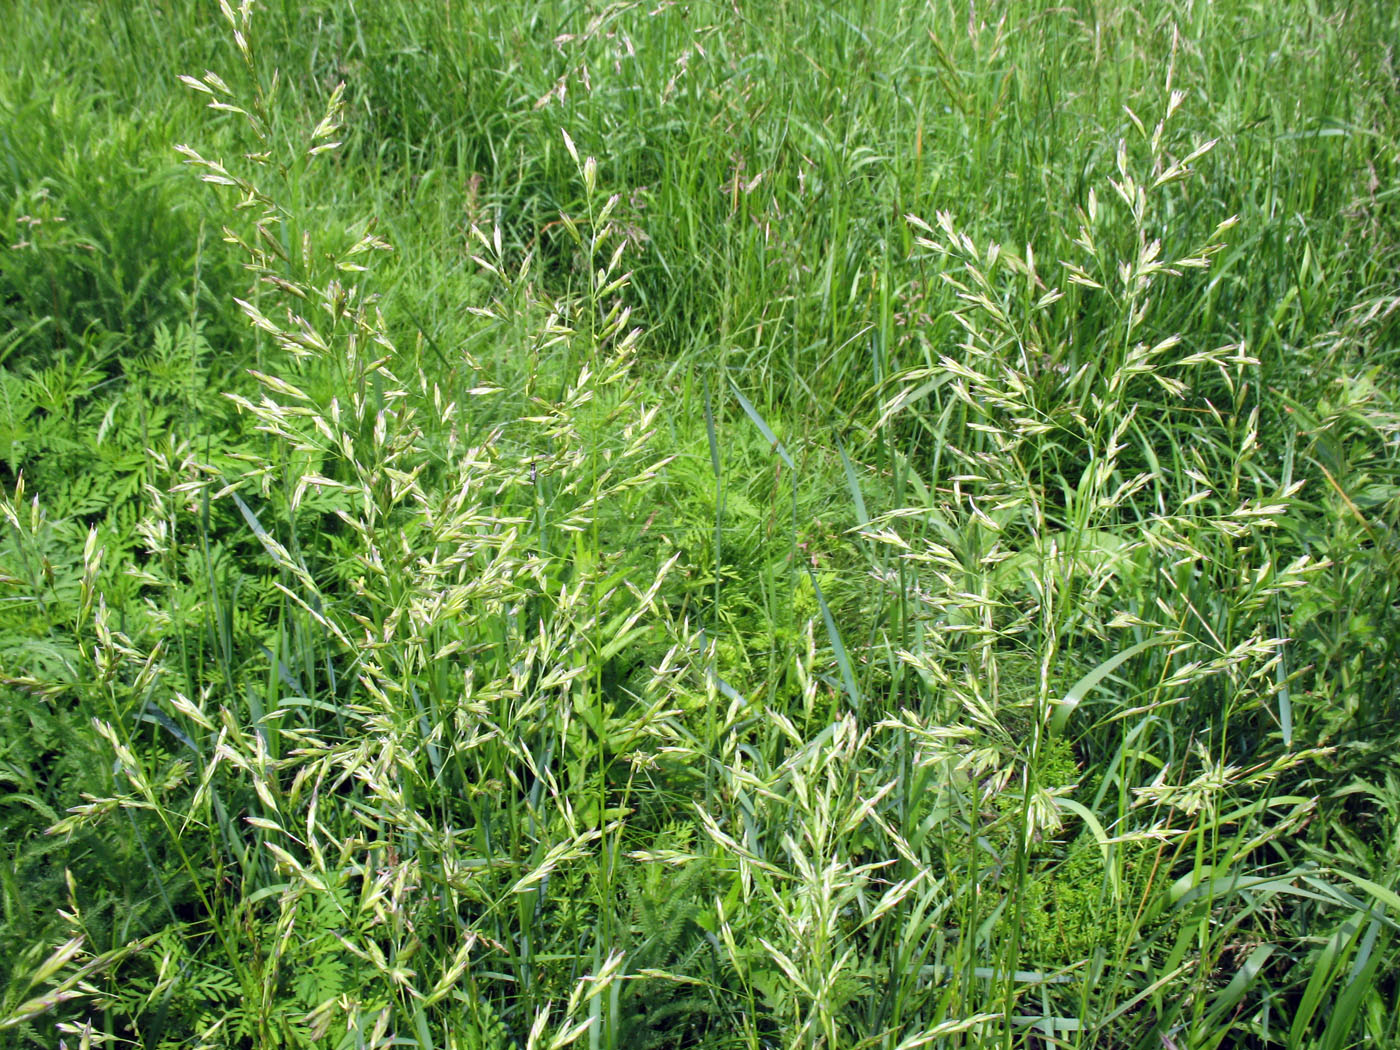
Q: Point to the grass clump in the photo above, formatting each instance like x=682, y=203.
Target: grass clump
x=665, y=526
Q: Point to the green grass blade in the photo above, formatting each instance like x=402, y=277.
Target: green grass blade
x=763, y=427
x=1066, y=706
x=843, y=661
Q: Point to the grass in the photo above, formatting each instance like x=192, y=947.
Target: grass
x=665, y=525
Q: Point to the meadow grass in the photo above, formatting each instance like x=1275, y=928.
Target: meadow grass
x=700, y=525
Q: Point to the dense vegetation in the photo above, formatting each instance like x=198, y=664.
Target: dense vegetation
x=689, y=524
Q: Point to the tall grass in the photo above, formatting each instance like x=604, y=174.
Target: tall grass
x=674, y=525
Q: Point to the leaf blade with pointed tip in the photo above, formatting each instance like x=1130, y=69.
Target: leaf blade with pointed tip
x=763, y=427
x=1065, y=707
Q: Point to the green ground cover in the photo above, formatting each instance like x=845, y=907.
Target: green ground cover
x=716, y=525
